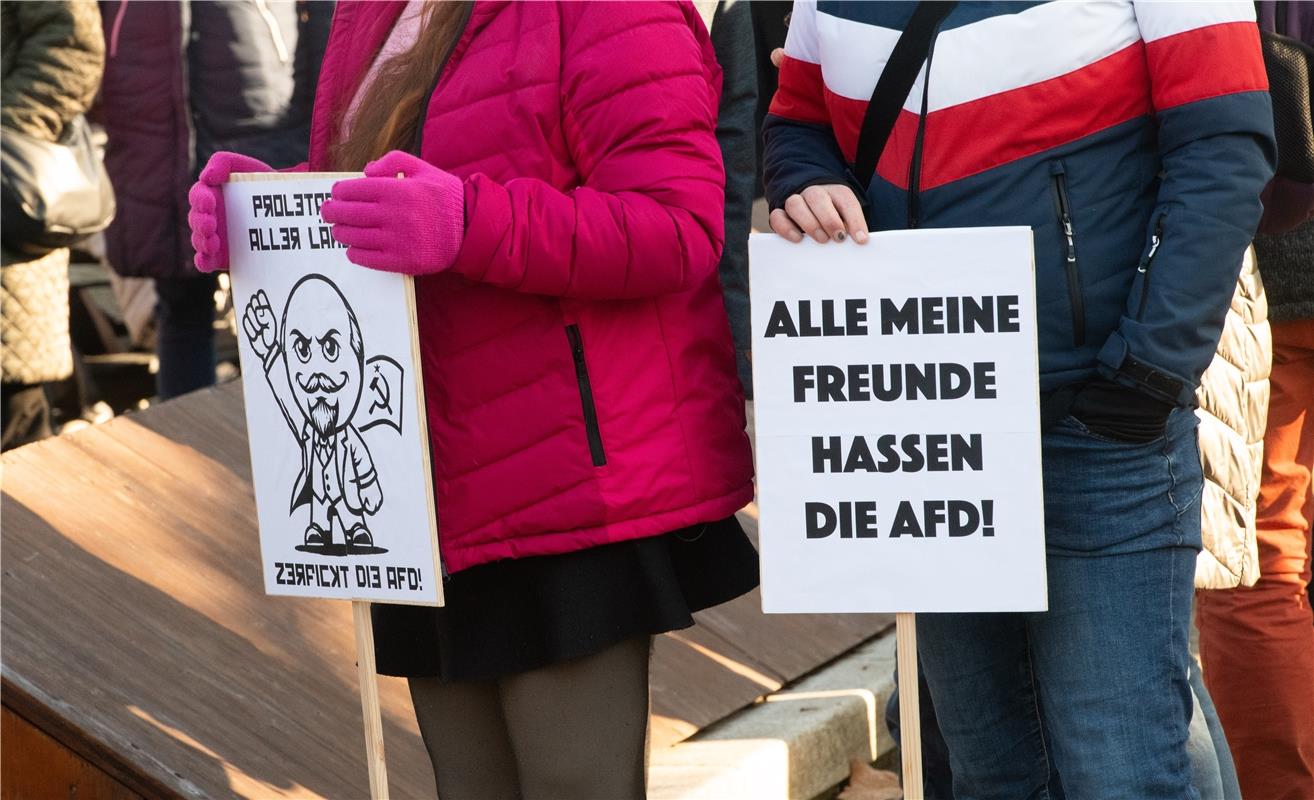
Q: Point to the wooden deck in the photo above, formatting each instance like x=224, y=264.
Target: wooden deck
x=137, y=636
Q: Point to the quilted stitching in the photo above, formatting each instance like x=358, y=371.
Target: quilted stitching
x=34, y=341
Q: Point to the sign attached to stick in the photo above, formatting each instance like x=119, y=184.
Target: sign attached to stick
x=898, y=423
x=334, y=403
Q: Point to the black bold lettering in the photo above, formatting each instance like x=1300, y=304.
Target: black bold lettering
x=821, y=520
x=978, y=315
x=1008, y=314
x=781, y=323
x=889, y=456
x=905, y=522
x=855, y=316
x=983, y=380
x=937, y=452
x=831, y=383
x=804, y=378
x=866, y=519
x=964, y=518
x=932, y=315
x=967, y=453
x=859, y=459
x=826, y=454
x=900, y=317
x=955, y=381
x=913, y=461
x=920, y=381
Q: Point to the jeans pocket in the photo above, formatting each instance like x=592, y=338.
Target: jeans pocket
x=1081, y=428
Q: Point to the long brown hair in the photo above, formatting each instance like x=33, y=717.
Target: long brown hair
x=389, y=113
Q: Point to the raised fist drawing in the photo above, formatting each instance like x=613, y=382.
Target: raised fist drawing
x=259, y=324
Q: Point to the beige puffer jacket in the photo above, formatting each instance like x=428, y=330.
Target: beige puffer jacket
x=1233, y=413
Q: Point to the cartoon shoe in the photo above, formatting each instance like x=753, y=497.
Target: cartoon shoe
x=359, y=536
x=317, y=536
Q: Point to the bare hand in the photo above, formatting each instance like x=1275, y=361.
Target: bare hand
x=824, y=212
x=259, y=326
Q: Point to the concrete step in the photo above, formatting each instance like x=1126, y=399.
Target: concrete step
x=794, y=744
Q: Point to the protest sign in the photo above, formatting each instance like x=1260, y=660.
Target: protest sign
x=897, y=413
x=334, y=403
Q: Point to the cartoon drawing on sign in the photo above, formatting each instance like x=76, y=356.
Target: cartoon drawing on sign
x=314, y=361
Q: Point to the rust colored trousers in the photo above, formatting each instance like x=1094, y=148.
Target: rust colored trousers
x=1257, y=643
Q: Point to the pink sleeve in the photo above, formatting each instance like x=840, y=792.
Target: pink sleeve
x=648, y=216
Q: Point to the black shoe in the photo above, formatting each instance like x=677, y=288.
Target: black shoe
x=317, y=536
x=359, y=536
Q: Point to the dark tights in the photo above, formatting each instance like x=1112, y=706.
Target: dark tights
x=576, y=730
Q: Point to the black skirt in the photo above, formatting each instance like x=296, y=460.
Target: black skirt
x=522, y=614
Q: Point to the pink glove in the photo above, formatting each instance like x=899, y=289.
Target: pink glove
x=206, y=218
x=413, y=224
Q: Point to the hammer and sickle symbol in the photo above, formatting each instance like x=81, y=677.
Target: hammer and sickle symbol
x=380, y=387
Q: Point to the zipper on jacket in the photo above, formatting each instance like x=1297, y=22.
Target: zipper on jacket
x=1144, y=268
x=418, y=142
x=1075, y=299
x=586, y=396
x=915, y=165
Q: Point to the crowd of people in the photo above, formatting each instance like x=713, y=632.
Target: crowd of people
x=576, y=185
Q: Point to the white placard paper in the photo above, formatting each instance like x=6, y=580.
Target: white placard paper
x=334, y=403
x=898, y=424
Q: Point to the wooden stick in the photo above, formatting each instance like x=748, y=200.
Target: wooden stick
x=910, y=717
x=369, y=700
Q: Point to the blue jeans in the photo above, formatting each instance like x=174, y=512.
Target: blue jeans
x=1095, y=690
x=1212, y=772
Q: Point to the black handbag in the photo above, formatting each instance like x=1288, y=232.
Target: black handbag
x=1290, y=64
x=54, y=193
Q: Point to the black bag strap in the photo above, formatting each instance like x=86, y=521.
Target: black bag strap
x=895, y=82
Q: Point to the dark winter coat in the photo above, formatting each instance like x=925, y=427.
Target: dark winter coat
x=1134, y=144
x=52, y=58
x=184, y=80
x=1287, y=260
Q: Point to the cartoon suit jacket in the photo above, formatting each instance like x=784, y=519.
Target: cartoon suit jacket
x=351, y=456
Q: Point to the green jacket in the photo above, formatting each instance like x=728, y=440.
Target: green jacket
x=53, y=55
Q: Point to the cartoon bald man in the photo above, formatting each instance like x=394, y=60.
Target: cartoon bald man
x=319, y=346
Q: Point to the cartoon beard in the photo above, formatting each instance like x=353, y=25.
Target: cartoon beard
x=324, y=417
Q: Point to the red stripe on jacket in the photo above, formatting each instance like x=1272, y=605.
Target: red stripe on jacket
x=1234, y=55
x=800, y=94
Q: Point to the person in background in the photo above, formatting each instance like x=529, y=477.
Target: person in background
x=53, y=54
x=561, y=206
x=1257, y=643
x=184, y=80
x=1134, y=139
x=731, y=27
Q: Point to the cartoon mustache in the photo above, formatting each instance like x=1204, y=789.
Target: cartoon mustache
x=319, y=382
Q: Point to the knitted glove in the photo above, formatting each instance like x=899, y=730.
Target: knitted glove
x=206, y=218
x=405, y=215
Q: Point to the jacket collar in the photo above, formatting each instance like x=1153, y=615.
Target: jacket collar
x=359, y=29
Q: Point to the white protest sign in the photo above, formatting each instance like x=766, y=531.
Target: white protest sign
x=334, y=403
x=898, y=423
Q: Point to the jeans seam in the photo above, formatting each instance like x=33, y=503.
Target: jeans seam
x=1040, y=723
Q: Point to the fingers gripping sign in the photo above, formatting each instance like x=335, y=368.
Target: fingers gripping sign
x=826, y=212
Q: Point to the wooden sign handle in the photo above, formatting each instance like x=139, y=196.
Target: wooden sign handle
x=369, y=700
x=910, y=716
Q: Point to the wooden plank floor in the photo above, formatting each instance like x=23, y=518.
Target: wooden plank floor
x=136, y=632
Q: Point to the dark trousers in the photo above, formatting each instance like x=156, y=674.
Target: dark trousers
x=576, y=729
x=26, y=413
x=184, y=317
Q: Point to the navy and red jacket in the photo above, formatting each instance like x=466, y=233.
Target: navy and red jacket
x=1133, y=138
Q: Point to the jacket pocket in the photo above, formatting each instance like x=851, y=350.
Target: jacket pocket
x=1063, y=210
x=586, y=396
x=1147, y=265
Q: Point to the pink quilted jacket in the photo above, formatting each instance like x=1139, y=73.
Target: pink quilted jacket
x=578, y=368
